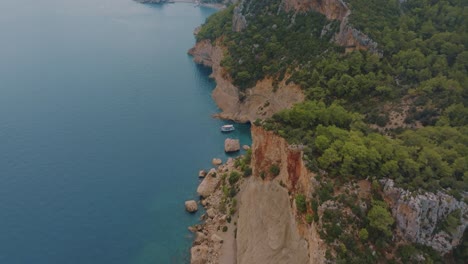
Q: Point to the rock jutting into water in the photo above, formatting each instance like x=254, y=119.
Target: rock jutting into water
x=209, y=184
x=191, y=206
x=216, y=161
x=231, y=145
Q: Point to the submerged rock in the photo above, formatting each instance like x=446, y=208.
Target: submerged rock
x=246, y=147
x=231, y=145
x=191, y=206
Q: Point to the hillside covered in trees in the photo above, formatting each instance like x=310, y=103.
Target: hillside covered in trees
x=399, y=113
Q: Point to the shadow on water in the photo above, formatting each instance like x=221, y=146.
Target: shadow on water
x=203, y=70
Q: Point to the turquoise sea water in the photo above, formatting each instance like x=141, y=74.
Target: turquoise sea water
x=104, y=124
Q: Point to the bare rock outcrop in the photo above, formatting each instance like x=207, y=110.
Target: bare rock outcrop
x=266, y=229
x=202, y=53
x=418, y=217
x=268, y=149
x=209, y=184
x=191, y=206
x=199, y=254
x=201, y=173
x=216, y=161
x=239, y=22
x=231, y=145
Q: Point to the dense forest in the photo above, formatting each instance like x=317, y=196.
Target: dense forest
x=346, y=124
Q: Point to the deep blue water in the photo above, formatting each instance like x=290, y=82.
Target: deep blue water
x=104, y=124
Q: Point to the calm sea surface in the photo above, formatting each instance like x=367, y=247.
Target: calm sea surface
x=104, y=124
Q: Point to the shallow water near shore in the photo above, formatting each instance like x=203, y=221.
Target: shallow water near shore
x=104, y=124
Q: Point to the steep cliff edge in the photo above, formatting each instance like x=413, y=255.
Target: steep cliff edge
x=261, y=101
x=269, y=149
x=267, y=231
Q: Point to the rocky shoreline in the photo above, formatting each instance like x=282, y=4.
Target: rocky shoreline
x=215, y=237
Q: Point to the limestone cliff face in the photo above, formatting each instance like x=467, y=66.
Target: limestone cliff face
x=261, y=101
x=268, y=149
x=239, y=22
x=266, y=229
x=418, y=216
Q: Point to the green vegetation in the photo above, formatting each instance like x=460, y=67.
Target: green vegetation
x=309, y=219
x=234, y=177
x=339, y=142
x=363, y=234
x=269, y=44
x=275, y=170
x=452, y=222
x=301, y=203
x=380, y=218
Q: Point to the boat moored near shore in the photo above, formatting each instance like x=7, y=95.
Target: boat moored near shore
x=227, y=128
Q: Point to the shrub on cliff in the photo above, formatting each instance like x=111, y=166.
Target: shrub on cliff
x=301, y=203
x=247, y=171
x=380, y=218
x=234, y=177
x=275, y=170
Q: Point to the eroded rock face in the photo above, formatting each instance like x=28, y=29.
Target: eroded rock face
x=231, y=145
x=202, y=53
x=239, y=22
x=418, y=216
x=208, y=185
x=261, y=101
x=266, y=229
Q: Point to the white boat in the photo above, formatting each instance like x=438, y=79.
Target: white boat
x=227, y=128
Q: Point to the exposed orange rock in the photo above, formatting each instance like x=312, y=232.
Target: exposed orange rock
x=269, y=148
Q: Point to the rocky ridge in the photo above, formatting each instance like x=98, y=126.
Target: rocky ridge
x=418, y=217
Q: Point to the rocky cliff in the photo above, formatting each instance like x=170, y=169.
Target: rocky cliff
x=267, y=231
x=261, y=101
x=269, y=149
x=419, y=217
